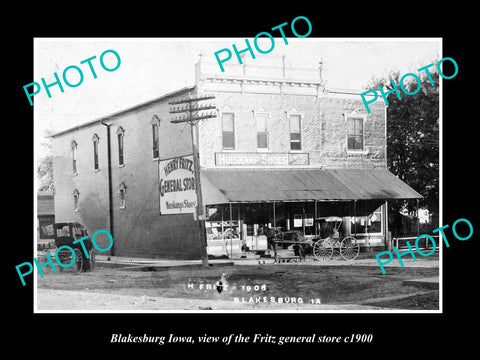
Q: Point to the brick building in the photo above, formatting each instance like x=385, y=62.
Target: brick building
x=282, y=151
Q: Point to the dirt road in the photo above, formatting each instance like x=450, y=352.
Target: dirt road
x=271, y=287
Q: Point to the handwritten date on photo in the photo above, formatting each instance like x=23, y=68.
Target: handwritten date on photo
x=221, y=287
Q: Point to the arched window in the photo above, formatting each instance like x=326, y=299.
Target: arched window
x=76, y=196
x=122, y=190
x=95, y=140
x=73, y=146
x=155, y=144
x=120, y=134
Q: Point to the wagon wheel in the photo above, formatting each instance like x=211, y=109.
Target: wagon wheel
x=322, y=250
x=335, y=244
x=60, y=255
x=78, y=265
x=66, y=258
x=349, y=248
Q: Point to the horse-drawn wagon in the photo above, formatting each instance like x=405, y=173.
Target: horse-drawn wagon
x=331, y=244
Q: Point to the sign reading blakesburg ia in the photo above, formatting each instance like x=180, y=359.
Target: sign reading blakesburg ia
x=430, y=238
x=402, y=83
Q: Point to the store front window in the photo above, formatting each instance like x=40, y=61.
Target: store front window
x=370, y=224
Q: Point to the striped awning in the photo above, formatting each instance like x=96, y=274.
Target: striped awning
x=221, y=186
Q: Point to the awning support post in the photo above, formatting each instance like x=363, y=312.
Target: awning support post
x=355, y=217
x=303, y=220
x=418, y=223
x=388, y=239
x=231, y=232
x=274, y=220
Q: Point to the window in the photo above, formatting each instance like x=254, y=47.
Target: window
x=76, y=195
x=95, y=151
x=295, y=132
x=120, y=149
x=156, y=153
x=355, y=133
x=228, y=131
x=308, y=219
x=120, y=133
x=122, y=190
x=74, y=157
x=297, y=220
x=45, y=226
x=262, y=131
x=371, y=224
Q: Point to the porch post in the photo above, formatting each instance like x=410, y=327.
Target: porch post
x=231, y=233
x=274, y=220
x=303, y=220
x=388, y=239
x=418, y=223
x=355, y=217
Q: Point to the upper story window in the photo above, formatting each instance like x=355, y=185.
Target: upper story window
x=73, y=146
x=295, y=132
x=120, y=135
x=95, y=140
x=228, y=131
x=355, y=132
x=262, y=131
x=155, y=144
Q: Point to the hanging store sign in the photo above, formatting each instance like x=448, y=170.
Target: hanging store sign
x=177, y=186
x=260, y=159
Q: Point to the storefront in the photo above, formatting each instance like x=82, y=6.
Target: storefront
x=242, y=203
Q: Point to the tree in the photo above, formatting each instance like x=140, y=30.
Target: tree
x=413, y=137
x=45, y=166
x=45, y=173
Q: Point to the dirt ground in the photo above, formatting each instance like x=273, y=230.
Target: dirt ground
x=244, y=287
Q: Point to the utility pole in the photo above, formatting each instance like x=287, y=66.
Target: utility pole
x=110, y=195
x=193, y=113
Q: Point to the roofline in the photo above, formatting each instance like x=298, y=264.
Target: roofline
x=347, y=91
x=98, y=120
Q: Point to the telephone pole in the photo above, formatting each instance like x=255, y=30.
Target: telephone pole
x=193, y=113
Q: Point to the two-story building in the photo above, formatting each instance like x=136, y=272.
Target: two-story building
x=282, y=151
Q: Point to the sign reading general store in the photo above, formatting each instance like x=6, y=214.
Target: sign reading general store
x=260, y=159
x=177, y=186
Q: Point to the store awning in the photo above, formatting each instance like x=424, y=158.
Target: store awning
x=220, y=186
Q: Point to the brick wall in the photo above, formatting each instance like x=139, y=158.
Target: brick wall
x=139, y=229
x=324, y=128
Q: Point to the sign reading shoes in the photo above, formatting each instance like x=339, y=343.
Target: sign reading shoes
x=261, y=159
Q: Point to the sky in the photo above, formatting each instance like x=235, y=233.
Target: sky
x=152, y=67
